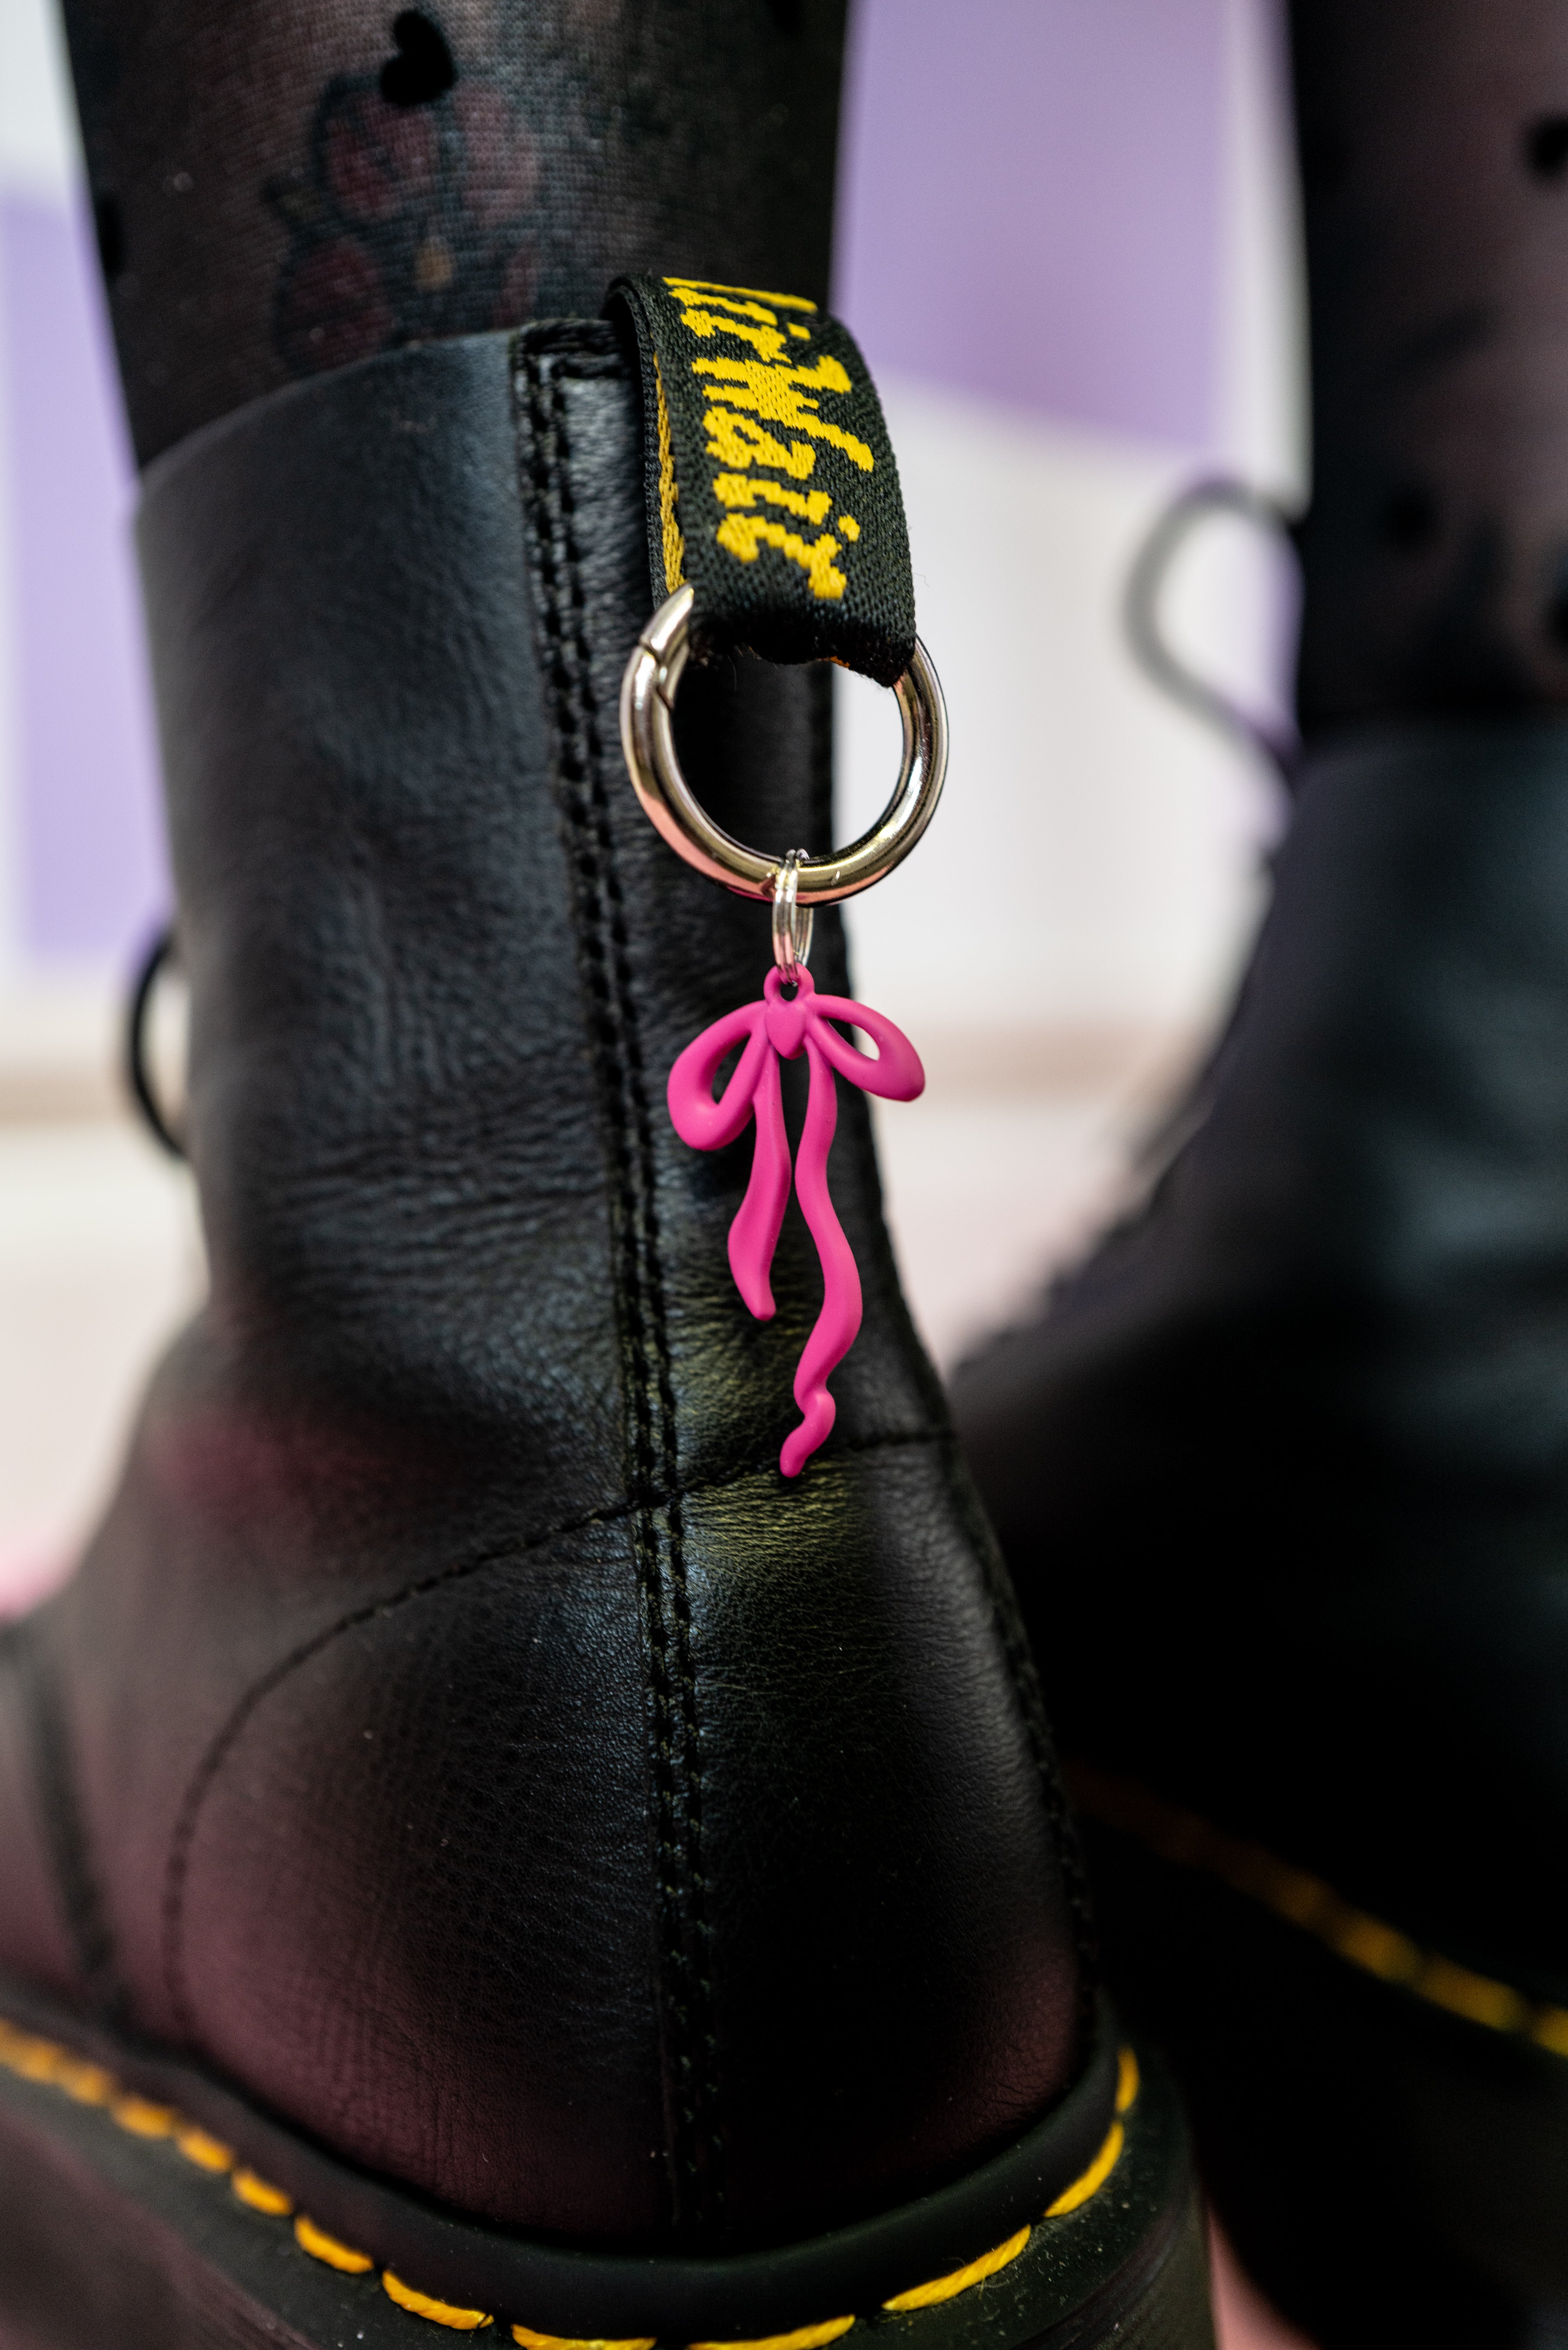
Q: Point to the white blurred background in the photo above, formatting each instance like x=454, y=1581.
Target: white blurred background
x=1068, y=245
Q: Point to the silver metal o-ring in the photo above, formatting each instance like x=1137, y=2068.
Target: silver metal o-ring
x=648, y=737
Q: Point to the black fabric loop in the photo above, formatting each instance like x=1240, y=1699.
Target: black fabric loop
x=771, y=483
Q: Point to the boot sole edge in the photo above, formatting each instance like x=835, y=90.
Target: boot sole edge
x=212, y=2253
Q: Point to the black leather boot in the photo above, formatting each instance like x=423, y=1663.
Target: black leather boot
x=1284, y=1473
x=474, y=1837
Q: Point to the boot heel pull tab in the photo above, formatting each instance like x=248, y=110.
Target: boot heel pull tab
x=771, y=486
x=747, y=395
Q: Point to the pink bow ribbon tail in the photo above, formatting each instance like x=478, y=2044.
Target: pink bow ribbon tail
x=897, y=1074
x=785, y=1026
x=709, y=1125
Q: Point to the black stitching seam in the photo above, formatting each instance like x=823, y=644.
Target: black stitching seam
x=1020, y=1658
x=675, y=1749
x=76, y=1880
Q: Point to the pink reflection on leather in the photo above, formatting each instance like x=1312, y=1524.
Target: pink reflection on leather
x=774, y=1029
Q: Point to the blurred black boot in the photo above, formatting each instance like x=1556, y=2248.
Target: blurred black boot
x=1283, y=1475
x=1283, y=1480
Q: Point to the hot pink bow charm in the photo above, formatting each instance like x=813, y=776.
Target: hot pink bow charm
x=774, y=1028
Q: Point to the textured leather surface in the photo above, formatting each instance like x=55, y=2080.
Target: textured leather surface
x=478, y=1752
x=1285, y=1471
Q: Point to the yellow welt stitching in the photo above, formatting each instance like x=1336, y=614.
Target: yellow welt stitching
x=943, y=2288
x=1093, y=2179
x=1551, y=2029
x=1304, y=1899
x=323, y=2247
x=530, y=2340
x=89, y=2085
x=1474, y=1996
x=206, y=2152
x=43, y=2060
x=442, y=2312
x=1126, y=2081
x=36, y=2060
x=261, y=2195
x=1361, y=1940
x=804, y=2337
x=1367, y=1944
x=142, y=2119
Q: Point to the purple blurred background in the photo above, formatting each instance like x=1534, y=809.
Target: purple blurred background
x=92, y=878
x=1031, y=204
x=1031, y=214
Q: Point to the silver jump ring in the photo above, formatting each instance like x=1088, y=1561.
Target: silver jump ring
x=792, y=921
x=648, y=737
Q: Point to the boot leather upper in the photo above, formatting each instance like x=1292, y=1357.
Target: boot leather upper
x=460, y=1735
